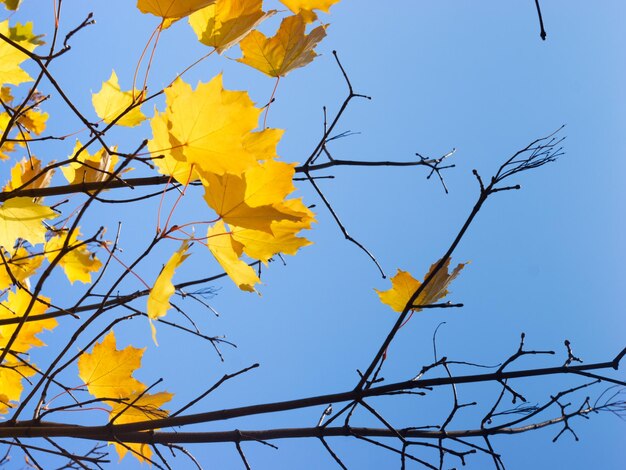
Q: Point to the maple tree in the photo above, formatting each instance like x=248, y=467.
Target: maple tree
x=210, y=146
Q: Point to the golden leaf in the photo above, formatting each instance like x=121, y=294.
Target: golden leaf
x=306, y=7
x=138, y=408
x=211, y=128
x=20, y=217
x=88, y=168
x=78, y=263
x=403, y=286
x=16, y=306
x=110, y=102
x=25, y=171
x=289, y=49
x=10, y=57
x=108, y=372
x=163, y=289
x=160, y=149
x=6, y=147
x=172, y=9
x=11, y=375
x=22, y=265
x=227, y=252
x=226, y=22
x=248, y=207
x=282, y=239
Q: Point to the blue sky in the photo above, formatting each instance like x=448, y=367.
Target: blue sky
x=546, y=260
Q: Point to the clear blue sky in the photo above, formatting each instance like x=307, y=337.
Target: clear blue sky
x=547, y=260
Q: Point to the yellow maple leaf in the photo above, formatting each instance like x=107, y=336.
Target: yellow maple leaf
x=10, y=57
x=16, y=306
x=33, y=121
x=21, y=265
x=138, y=408
x=227, y=252
x=25, y=171
x=108, y=372
x=306, y=7
x=163, y=289
x=110, y=102
x=247, y=202
x=5, y=95
x=171, y=9
x=88, y=168
x=78, y=263
x=23, y=33
x=283, y=238
x=403, y=286
x=160, y=149
x=298, y=5
x=11, y=375
x=20, y=217
x=226, y=22
x=211, y=128
x=289, y=49
x=6, y=147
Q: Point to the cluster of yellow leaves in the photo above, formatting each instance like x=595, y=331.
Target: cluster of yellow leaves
x=403, y=286
x=14, y=367
x=209, y=134
x=108, y=374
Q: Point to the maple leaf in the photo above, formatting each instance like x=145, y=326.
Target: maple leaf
x=211, y=128
x=108, y=372
x=23, y=33
x=78, y=263
x=20, y=217
x=306, y=7
x=33, y=121
x=227, y=252
x=163, y=289
x=11, y=375
x=10, y=57
x=88, y=168
x=6, y=147
x=226, y=22
x=262, y=245
x=15, y=306
x=171, y=9
x=110, y=102
x=289, y=49
x=160, y=149
x=138, y=408
x=403, y=286
x=21, y=265
x=26, y=170
x=255, y=199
